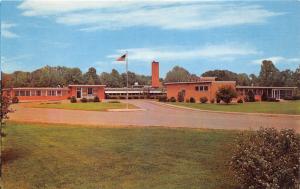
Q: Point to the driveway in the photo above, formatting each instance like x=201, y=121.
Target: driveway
x=155, y=115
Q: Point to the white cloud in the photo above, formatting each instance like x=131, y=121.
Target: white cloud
x=5, y=30
x=278, y=60
x=220, y=52
x=182, y=15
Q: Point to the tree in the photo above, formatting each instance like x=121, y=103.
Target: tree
x=178, y=74
x=253, y=79
x=226, y=94
x=225, y=75
x=91, y=77
x=287, y=78
x=269, y=75
x=296, y=77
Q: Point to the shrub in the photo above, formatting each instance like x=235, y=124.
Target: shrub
x=15, y=100
x=292, y=98
x=180, y=96
x=267, y=158
x=73, y=99
x=218, y=100
x=272, y=100
x=84, y=100
x=212, y=100
x=172, y=99
x=250, y=97
x=187, y=100
x=162, y=99
x=264, y=97
x=203, y=99
x=240, y=100
x=226, y=94
x=192, y=100
x=96, y=99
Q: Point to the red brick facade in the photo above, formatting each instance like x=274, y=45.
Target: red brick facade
x=44, y=94
x=197, y=89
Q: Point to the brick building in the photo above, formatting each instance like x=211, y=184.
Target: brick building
x=205, y=87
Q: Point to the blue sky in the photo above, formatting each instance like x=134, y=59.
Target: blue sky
x=196, y=35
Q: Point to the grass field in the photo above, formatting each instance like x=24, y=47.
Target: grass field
x=102, y=106
x=292, y=107
x=58, y=156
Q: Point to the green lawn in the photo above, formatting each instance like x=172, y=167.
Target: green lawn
x=291, y=107
x=62, y=157
x=91, y=106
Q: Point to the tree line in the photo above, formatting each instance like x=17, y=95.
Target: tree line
x=62, y=76
x=49, y=76
x=269, y=75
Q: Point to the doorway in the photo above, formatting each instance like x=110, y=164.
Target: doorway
x=78, y=92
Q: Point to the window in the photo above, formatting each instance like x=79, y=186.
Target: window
x=22, y=93
x=90, y=91
x=17, y=93
x=51, y=93
x=58, y=93
x=27, y=93
x=201, y=88
x=38, y=93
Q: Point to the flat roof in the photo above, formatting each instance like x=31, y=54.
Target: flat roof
x=86, y=85
x=197, y=82
x=37, y=88
x=262, y=87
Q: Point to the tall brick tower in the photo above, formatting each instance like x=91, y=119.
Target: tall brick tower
x=155, y=74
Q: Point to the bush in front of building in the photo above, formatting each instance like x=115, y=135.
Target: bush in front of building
x=73, y=99
x=267, y=158
x=172, y=99
x=96, y=99
x=84, y=100
x=240, y=101
x=218, y=100
x=250, y=97
x=273, y=100
x=187, y=100
x=203, y=99
x=15, y=100
x=292, y=98
x=163, y=99
x=212, y=100
x=264, y=97
x=226, y=94
x=192, y=100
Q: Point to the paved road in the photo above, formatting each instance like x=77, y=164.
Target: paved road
x=155, y=115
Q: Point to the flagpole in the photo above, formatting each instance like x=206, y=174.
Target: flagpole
x=127, y=80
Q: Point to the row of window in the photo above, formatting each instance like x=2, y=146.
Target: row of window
x=201, y=88
x=38, y=93
x=89, y=91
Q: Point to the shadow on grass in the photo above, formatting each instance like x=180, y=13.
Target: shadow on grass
x=10, y=155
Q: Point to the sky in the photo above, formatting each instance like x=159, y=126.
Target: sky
x=196, y=35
